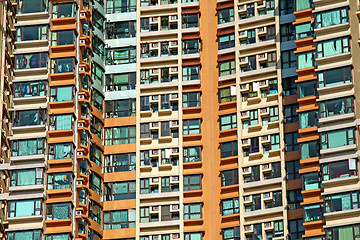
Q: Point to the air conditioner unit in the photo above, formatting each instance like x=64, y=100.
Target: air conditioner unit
x=246, y=169
x=175, y=207
x=175, y=235
x=81, y=69
x=82, y=15
x=155, y=208
x=79, y=183
x=155, y=180
x=82, y=41
x=265, y=166
x=3, y=205
x=80, y=125
x=267, y=195
x=155, y=237
x=268, y=225
x=78, y=213
x=81, y=96
x=80, y=153
x=247, y=198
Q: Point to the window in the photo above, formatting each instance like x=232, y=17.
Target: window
x=278, y=230
x=22, y=208
x=305, y=60
x=28, y=235
x=98, y=47
x=61, y=236
x=61, y=151
x=119, y=219
x=98, y=20
x=311, y=181
x=29, y=89
x=192, y=154
x=226, y=41
x=292, y=170
x=337, y=138
x=190, y=20
x=343, y=232
x=65, y=37
x=95, y=183
x=32, y=6
x=120, y=82
x=271, y=60
x=309, y=149
x=190, y=46
x=253, y=119
x=256, y=203
x=59, y=94
x=227, y=94
x=227, y=68
x=57, y=211
x=166, y=186
x=303, y=31
x=250, y=11
x=119, y=191
x=274, y=141
x=332, y=47
x=146, y=160
x=302, y=5
x=59, y=181
x=276, y=200
x=275, y=171
x=251, y=64
x=331, y=17
x=228, y=122
x=254, y=176
x=120, y=108
x=191, y=73
x=308, y=119
x=289, y=86
x=254, y=145
x=192, y=182
x=273, y=114
x=61, y=122
x=96, y=154
x=97, y=73
x=193, y=236
x=306, y=89
x=334, y=76
x=257, y=232
x=341, y=202
x=296, y=229
x=294, y=198
x=336, y=107
x=191, y=126
x=339, y=169
x=232, y=233
x=32, y=33
x=30, y=61
x=95, y=212
x=286, y=7
x=29, y=118
x=23, y=177
x=145, y=216
x=27, y=147
x=288, y=59
x=120, y=6
x=120, y=135
x=225, y=15
x=192, y=211
x=230, y=206
x=167, y=215
x=117, y=30
x=290, y=113
x=229, y=149
x=287, y=32
x=120, y=162
x=123, y=55
x=63, y=10
x=191, y=99
x=229, y=177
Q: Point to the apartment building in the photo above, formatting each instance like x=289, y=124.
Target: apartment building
x=167, y=119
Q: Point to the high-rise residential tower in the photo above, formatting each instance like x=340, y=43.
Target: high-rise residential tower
x=179, y=119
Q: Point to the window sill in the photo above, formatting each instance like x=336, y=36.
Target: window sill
x=31, y=219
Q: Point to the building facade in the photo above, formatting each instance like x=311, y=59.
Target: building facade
x=179, y=119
